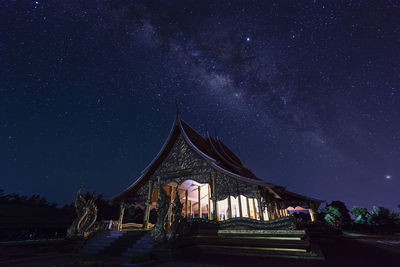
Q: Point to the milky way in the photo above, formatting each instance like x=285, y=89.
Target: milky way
x=306, y=92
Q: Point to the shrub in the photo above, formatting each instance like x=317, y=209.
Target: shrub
x=378, y=220
x=383, y=217
x=361, y=215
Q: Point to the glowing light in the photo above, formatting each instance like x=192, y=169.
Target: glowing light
x=388, y=177
x=247, y=39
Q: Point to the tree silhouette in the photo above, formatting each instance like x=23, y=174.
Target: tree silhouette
x=336, y=214
x=361, y=215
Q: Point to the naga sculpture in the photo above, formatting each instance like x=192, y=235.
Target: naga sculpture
x=86, y=212
x=177, y=219
x=158, y=232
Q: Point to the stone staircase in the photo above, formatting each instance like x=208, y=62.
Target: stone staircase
x=100, y=241
x=264, y=243
x=143, y=245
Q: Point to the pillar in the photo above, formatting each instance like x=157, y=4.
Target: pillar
x=190, y=209
x=266, y=214
x=198, y=188
x=312, y=215
x=148, y=205
x=214, y=198
x=240, y=207
x=229, y=208
x=260, y=209
x=186, y=203
x=248, y=207
x=171, y=189
x=254, y=207
x=121, y=216
x=312, y=212
x=209, y=203
x=276, y=210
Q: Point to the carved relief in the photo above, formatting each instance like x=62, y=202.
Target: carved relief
x=183, y=163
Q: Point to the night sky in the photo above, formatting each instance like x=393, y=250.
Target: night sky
x=307, y=93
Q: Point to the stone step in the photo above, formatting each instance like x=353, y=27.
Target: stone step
x=143, y=245
x=102, y=240
x=130, y=253
x=138, y=248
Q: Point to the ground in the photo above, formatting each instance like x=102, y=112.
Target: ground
x=347, y=250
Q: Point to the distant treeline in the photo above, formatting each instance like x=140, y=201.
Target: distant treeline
x=34, y=217
x=378, y=220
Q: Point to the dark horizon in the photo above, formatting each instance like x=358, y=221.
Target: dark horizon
x=306, y=94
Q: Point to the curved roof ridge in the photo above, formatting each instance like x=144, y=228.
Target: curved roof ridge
x=200, y=146
x=241, y=169
x=207, y=156
x=230, y=153
x=185, y=135
x=238, y=165
x=222, y=157
x=145, y=171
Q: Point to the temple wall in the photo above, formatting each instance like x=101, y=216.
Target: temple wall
x=183, y=163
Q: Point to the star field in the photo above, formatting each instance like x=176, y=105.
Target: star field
x=306, y=92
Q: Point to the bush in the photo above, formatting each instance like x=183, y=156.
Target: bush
x=383, y=217
x=378, y=220
x=336, y=215
x=360, y=214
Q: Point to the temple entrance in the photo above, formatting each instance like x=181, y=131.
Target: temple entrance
x=197, y=202
x=196, y=199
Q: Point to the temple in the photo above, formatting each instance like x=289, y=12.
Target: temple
x=211, y=182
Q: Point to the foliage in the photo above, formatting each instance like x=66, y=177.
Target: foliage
x=38, y=218
x=361, y=215
x=378, y=220
x=383, y=217
x=336, y=215
x=333, y=216
x=106, y=210
x=301, y=217
x=33, y=201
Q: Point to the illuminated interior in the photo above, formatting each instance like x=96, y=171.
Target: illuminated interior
x=193, y=194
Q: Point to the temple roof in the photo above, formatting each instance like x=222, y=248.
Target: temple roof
x=213, y=150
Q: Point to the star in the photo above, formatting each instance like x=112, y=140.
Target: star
x=247, y=39
x=388, y=177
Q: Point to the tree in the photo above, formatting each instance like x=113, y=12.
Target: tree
x=333, y=216
x=343, y=210
x=383, y=217
x=361, y=215
x=336, y=214
x=4, y=198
